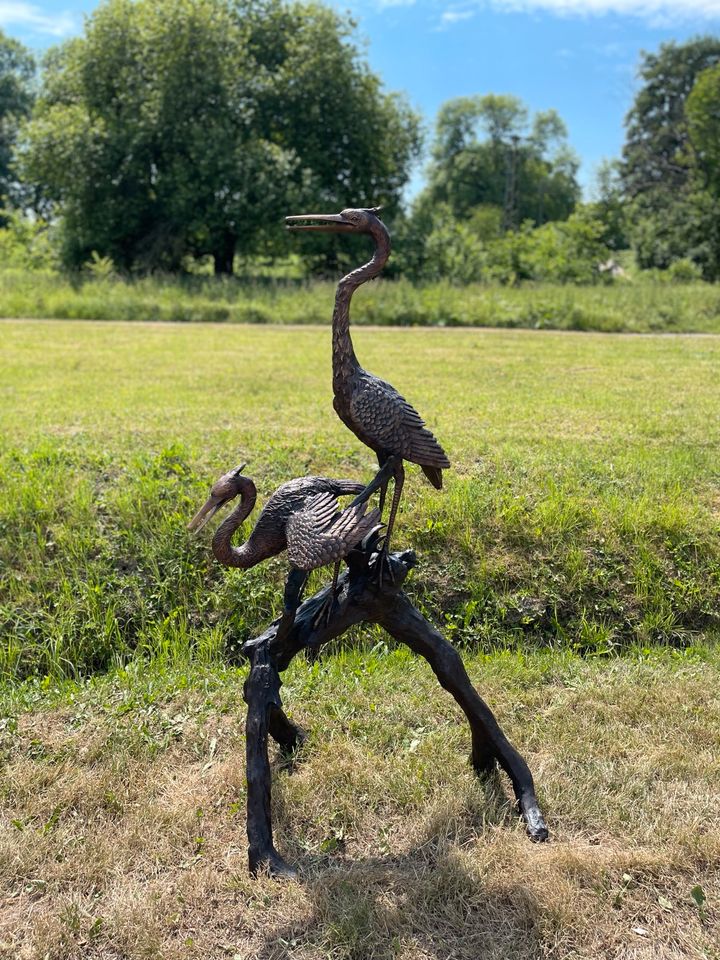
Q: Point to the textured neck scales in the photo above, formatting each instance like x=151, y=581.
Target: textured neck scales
x=344, y=360
x=244, y=556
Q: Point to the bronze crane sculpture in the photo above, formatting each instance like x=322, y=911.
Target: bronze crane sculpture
x=372, y=408
x=302, y=517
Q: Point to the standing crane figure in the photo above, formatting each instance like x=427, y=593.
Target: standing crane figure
x=372, y=408
x=302, y=517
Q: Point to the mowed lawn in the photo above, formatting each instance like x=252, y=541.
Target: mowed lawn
x=582, y=510
x=582, y=516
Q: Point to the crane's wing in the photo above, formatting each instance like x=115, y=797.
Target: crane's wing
x=320, y=533
x=393, y=424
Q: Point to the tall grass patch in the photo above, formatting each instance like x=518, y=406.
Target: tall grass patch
x=638, y=306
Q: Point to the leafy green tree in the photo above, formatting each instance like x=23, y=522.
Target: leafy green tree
x=671, y=214
x=27, y=242
x=702, y=110
x=355, y=143
x=177, y=127
x=655, y=155
x=608, y=205
x=487, y=152
x=17, y=69
x=688, y=227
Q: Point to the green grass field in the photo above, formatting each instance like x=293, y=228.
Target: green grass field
x=582, y=510
x=640, y=305
x=574, y=557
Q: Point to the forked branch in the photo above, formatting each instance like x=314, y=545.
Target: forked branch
x=362, y=597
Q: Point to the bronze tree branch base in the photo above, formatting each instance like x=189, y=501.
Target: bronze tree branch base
x=362, y=596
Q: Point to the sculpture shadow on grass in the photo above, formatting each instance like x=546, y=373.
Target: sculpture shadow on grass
x=432, y=901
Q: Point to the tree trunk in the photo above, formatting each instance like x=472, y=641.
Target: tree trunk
x=224, y=255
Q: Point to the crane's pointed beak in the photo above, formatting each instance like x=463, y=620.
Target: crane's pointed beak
x=325, y=222
x=206, y=512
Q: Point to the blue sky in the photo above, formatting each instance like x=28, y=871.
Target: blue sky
x=578, y=56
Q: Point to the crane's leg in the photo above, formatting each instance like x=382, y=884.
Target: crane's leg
x=378, y=482
x=383, y=561
x=399, y=474
x=322, y=617
x=383, y=489
x=294, y=586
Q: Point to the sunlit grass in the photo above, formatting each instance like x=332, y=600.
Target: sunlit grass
x=581, y=513
x=582, y=510
x=122, y=814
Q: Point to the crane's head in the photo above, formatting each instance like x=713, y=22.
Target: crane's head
x=351, y=220
x=222, y=491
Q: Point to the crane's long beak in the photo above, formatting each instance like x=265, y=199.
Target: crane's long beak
x=206, y=512
x=325, y=222
x=214, y=502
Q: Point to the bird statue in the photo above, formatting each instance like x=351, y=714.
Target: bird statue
x=302, y=517
x=372, y=408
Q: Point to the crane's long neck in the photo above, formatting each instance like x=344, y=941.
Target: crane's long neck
x=344, y=360
x=246, y=555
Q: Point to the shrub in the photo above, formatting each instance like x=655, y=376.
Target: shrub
x=27, y=243
x=684, y=271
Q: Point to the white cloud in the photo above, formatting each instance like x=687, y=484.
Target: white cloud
x=656, y=10
x=18, y=14
x=455, y=16
x=659, y=12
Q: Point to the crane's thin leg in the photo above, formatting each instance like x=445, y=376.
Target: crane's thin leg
x=381, y=478
x=399, y=474
x=322, y=617
x=262, y=695
x=294, y=586
x=333, y=591
x=489, y=743
x=383, y=488
x=383, y=562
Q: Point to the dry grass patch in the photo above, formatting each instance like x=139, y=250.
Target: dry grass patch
x=122, y=830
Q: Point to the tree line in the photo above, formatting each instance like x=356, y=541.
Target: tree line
x=177, y=131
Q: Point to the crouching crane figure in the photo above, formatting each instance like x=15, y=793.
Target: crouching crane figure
x=372, y=408
x=302, y=517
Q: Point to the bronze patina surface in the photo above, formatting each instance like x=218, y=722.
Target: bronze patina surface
x=304, y=518
x=372, y=408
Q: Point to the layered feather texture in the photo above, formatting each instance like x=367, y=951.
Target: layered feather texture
x=321, y=533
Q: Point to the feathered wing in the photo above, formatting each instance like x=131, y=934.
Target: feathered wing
x=394, y=425
x=320, y=534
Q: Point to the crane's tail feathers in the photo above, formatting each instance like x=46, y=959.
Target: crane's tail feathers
x=434, y=475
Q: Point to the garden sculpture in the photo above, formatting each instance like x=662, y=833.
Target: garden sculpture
x=302, y=516
x=372, y=408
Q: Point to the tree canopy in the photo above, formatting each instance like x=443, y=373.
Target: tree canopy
x=671, y=214
x=655, y=151
x=177, y=127
x=488, y=151
x=17, y=69
x=702, y=111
